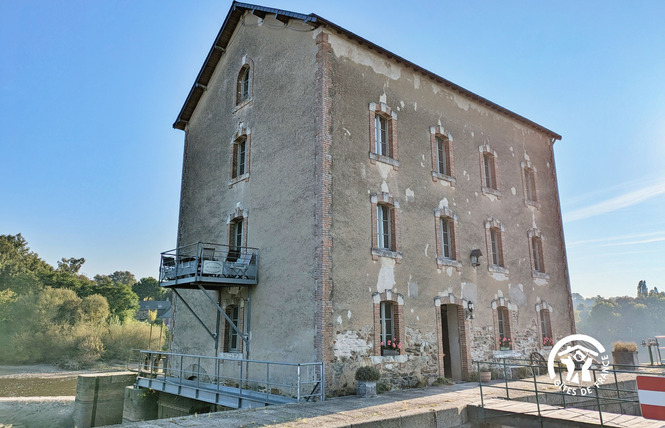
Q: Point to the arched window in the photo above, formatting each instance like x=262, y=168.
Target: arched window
x=244, y=84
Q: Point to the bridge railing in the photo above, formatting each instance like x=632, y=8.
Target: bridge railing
x=235, y=376
x=613, y=389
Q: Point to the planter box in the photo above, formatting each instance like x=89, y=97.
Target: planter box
x=365, y=389
x=625, y=358
x=389, y=353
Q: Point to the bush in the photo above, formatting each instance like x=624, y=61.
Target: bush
x=440, y=381
x=624, y=347
x=368, y=374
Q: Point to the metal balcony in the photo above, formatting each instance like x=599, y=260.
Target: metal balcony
x=209, y=265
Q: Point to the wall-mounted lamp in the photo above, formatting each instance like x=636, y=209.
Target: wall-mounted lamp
x=470, y=307
x=475, y=257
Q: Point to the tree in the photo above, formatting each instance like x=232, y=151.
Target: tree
x=70, y=265
x=642, y=290
x=123, y=277
x=148, y=288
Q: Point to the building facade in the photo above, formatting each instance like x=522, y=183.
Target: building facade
x=387, y=204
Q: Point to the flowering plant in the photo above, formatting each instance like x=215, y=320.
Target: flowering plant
x=505, y=342
x=392, y=345
x=547, y=341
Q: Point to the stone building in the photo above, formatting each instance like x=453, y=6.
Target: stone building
x=364, y=200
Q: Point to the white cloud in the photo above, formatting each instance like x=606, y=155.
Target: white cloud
x=622, y=201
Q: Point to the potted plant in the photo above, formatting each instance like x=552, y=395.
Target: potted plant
x=366, y=378
x=392, y=347
x=548, y=342
x=505, y=343
x=625, y=353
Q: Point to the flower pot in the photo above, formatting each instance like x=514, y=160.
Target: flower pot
x=389, y=352
x=547, y=348
x=625, y=358
x=365, y=389
x=485, y=377
x=504, y=348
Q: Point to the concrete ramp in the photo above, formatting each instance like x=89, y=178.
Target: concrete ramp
x=526, y=415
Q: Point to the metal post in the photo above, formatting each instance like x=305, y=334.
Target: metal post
x=240, y=386
x=298, y=382
x=505, y=377
x=563, y=395
x=616, y=384
x=535, y=388
x=181, y=357
x=323, y=381
x=198, y=374
x=600, y=411
x=267, y=380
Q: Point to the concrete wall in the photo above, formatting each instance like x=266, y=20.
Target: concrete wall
x=277, y=198
x=100, y=397
x=362, y=76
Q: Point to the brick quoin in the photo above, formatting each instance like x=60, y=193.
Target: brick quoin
x=323, y=271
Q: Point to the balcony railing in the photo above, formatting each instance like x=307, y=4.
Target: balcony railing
x=211, y=264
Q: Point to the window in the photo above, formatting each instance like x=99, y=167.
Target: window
x=383, y=231
x=537, y=254
x=239, y=152
x=383, y=135
x=447, y=238
x=488, y=167
x=244, y=82
x=381, y=144
x=231, y=343
x=496, y=247
x=239, y=158
x=545, y=324
x=530, y=184
x=388, y=321
x=488, y=175
x=443, y=156
x=235, y=239
x=503, y=326
x=387, y=325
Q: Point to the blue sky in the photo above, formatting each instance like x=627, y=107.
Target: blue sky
x=89, y=90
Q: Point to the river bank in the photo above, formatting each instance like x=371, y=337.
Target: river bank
x=41, y=395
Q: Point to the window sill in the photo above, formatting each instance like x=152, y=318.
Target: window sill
x=382, y=252
x=238, y=179
x=498, y=269
x=375, y=157
x=540, y=275
x=530, y=203
x=436, y=176
x=490, y=191
x=444, y=262
x=242, y=104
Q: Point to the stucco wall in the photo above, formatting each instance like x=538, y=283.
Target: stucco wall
x=361, y=76
x=278, y=199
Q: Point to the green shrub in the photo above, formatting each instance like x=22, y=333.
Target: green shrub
x=368, y=374
x=442, y=381
x=624, y=347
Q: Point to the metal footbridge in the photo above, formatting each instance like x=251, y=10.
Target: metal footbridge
x=230, y=382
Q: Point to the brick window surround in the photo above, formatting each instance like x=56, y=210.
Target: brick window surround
x=529, y=184
x=445, y=227
x=464, y=332
x=397, y=301
x=494, y=235
x=488, y=171
x=239, y=151
x=383, y=135
x=244, y=83
x=443, y=165
x=383, y=203
x=234, y=221
x=502, y=325
x=226, y=333
x=543, y=313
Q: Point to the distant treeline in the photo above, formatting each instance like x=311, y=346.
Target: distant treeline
x=56, y=315
x=631, y=319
